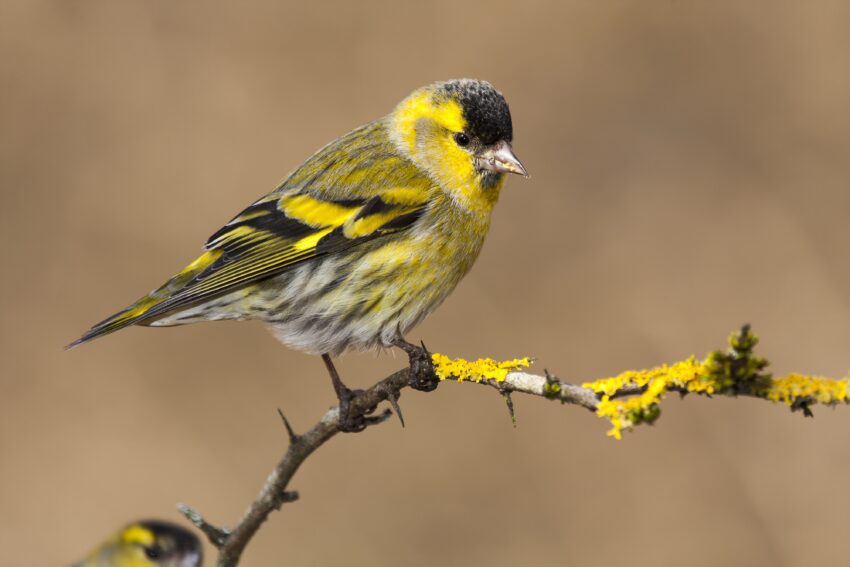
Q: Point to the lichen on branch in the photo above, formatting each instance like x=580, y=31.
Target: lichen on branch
x=482, y=369
x=626, y=400
x=633, y=397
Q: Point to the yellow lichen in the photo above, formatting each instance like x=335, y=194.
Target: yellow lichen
x=685, y=374
x=648, y=388
x=482, y=369
x=654, y=383
x=634, y=396
x=795, y=387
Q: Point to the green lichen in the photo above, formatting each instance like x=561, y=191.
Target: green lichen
x=738, y=370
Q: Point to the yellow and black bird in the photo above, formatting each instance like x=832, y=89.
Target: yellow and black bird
x=150, y=543
x=360, y=242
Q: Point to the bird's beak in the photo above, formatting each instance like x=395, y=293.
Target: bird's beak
x=500, y=158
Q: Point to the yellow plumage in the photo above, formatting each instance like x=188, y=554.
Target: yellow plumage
x=364, y=239
x=150, y=543
x=360, y=242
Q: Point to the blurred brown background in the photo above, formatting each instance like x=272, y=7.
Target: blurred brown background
x=690, y=172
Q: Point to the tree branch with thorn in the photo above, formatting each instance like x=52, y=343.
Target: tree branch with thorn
x=626, y=400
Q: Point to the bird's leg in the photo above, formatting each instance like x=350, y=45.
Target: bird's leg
x=422, y=375
x=344, y=395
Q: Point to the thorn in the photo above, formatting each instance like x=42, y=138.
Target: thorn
x=393, y=396
x=293, y=437
x=510, y=402
x=428, y=352
x=288, y=496
x=284, y=497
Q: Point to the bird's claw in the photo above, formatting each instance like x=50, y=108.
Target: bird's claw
x=348, y=423
x=423, y=377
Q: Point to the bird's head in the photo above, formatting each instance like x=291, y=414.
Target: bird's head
x=150, y=543
x=460, y=131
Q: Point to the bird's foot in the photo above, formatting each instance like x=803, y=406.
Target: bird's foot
x=423, y=377
x=346, y=422
x=349, y=423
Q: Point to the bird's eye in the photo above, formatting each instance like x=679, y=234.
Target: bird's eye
x=152, y=552
x=462, y=139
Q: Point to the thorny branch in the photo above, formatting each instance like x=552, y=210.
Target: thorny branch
x=232, y=542
x=736, y=372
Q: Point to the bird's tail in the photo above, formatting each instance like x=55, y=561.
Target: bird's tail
x=132, y=315
x=154, y=305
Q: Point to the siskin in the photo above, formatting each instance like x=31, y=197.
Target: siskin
x=362, y=241
x=151, y=543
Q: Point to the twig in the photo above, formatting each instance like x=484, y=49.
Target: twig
x=232, y=542
x=739, y=367
x=216, y=535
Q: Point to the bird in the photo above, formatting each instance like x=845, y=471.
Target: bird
x=359, y=243
x=148, y=543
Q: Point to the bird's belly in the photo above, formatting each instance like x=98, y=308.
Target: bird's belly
x=360, y=301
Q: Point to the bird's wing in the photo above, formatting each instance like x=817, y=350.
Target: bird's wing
x=269, y=237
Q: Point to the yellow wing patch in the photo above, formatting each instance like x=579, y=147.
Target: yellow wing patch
x=304, y=222
x=310, y=242
x=314, y=212
x=360, y=227
x=403, y=196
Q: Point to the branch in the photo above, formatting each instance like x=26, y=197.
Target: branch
x=626, y=400
x=231, y=543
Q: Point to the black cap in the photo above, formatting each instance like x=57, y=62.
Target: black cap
x=172, y=540
x=484, y=109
